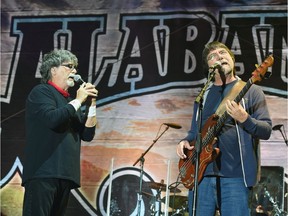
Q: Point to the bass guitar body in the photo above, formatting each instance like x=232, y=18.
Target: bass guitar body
x=208, y=154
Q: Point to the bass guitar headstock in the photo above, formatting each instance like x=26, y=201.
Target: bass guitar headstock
x=261, y=71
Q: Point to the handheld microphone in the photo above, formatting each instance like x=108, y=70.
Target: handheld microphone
x=217, y=65
x=77, y=78
x=173, y=125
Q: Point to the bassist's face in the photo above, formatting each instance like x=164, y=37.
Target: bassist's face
x=223, y=57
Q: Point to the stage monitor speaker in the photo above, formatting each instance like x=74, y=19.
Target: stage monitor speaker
x=267, y=197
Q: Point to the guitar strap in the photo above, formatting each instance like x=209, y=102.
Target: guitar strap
x=230, y=96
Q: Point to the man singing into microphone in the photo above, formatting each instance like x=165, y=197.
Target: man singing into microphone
x=55, y=126
x=226, y=181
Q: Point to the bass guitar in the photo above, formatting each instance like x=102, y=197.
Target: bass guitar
x=209, y=133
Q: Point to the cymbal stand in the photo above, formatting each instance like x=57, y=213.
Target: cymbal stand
x=278, y=211
x=142, y=160
x=158, y=201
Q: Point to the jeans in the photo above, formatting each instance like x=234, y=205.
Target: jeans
x=229, y=195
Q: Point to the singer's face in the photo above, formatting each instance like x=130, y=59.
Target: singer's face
x=60, y=75
x=221, y=55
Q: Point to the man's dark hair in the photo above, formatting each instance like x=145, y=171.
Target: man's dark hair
x=213, y=46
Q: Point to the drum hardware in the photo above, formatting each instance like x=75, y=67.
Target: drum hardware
x=161, y=186
x=276, y=209
x=148, y=195
x=176, y=202
x=174, y=190
x=156, y=203
x=141, y=159
x=179, y=212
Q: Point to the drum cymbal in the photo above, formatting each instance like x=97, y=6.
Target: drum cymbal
x=176, y=202
x=162, y=187
x=157, y=185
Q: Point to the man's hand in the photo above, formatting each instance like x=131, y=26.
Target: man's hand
x=86, y=90
x=184, y=144
x=236, y=111
x=93, y=93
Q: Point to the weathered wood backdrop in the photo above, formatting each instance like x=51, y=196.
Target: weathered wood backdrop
x=145, y=59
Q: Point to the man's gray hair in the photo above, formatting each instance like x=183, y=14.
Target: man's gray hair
x=54, y=59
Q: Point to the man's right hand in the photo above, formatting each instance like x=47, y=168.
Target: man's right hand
x=184, y=144
x=85, y=90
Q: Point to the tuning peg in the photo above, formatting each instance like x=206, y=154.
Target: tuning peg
x=267, y=75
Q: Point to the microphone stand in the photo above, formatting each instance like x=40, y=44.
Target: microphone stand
x=284, y=136
x=198, y=144
x=142, y=160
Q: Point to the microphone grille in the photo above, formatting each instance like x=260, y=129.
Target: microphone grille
x=77, y=77
x=277, y=127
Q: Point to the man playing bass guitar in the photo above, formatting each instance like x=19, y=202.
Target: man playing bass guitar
x=225, y=181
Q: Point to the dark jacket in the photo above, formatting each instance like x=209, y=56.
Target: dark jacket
x=54, y=131
x=257, y=126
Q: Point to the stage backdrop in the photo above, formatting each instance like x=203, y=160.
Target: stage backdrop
x=145, y=59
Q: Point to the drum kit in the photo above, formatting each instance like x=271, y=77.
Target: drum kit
x=177, y=204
